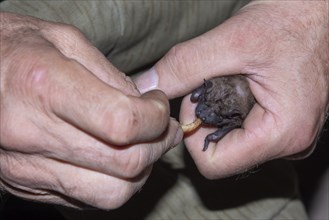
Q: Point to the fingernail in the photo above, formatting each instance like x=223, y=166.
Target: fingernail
x=146, y=81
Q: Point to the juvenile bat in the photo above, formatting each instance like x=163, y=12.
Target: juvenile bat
x=223, y=102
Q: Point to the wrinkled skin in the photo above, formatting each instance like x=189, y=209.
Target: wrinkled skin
x=74, y=130
x=222, y=102
x=281, y=47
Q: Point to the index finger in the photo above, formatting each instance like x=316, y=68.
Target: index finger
x=88, y=103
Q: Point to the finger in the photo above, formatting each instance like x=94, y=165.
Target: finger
x=123, y=162
x=239, y=150
x=185, y=66
x=48, y=180
x=81, y=99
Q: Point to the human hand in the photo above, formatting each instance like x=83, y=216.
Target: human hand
x=282, y=49
x=73, y=128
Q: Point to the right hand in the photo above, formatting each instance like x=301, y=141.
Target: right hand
x=74, y=129
x=285, y=60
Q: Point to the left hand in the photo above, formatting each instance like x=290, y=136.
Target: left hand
x=73, y=129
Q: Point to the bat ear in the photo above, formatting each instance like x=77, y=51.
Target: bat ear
x=207, y=84
x=197, y=93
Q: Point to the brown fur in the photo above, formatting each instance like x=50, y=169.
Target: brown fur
x=223, y=102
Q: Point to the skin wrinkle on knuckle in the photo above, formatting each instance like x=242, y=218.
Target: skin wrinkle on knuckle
x=31, y=82
x=39, y=85
x=29, y=176
x=76, y=190
x=67, y=38
x=118, y=191
x=18, y=130
x=8, y=132
x=5, y=170
x=176, y=61
x=16, y=177
x=22, y=191
x=134, y=163
x=135, y=160
x=121, y=192
x=121, y=121
x=69, y=188
x=12, y=37
x=73, y=187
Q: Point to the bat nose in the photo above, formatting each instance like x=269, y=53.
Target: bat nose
x=202, y=115
x=198, y=113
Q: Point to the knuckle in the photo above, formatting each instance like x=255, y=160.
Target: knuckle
x=134, y=163
x=37, y=88
x=11, y=170
x=37, y=81
x=7, y=131
x=72, y=34
x=30, y=77
x=120, y=194
x=122, y=126
x=13, y=136
x=176, y=58
x=5, y=168
x=179, y=60
x=67, y=38
x=111, y=193
x=163, y=108
x=159, y=101
x=72, y=30
x=66, y=30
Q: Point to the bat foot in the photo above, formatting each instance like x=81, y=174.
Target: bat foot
x=216, y=136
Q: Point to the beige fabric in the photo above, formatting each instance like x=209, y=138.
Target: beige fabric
x=133, y=34
x=267, y=192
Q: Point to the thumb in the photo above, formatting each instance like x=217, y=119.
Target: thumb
x=185, y=66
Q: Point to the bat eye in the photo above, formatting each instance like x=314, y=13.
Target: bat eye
x=233, y=114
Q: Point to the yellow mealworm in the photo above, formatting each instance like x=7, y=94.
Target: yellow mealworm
x=187, y=128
